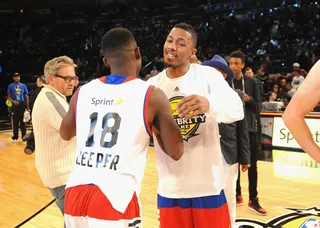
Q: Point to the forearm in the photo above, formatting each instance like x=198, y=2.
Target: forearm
x=302, y=134
x=227, y=108
x=10, y=98
x=67, y=131
x=27, y=102
x=251, y=101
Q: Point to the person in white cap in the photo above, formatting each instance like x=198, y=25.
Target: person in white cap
x=296, y=66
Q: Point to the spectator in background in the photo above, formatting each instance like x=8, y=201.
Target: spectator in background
x=297, y=79
x=272, y=96
x=290, y=91
x=275, y=89
x=18, y=94
x=296, y=66
x=41, y=81
x=249, y=73
x=250, y=89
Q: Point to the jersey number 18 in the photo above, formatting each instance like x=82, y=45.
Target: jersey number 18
x=107, y=128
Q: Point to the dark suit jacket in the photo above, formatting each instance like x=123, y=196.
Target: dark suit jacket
x=251, y=106
x=34, y=96
x=234, y=140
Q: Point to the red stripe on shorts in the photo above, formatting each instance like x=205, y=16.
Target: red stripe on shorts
x=86, y=200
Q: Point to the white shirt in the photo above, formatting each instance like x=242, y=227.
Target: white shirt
x=202, y=170
x=296, y=82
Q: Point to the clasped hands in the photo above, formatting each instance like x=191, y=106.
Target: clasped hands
x=193, y=105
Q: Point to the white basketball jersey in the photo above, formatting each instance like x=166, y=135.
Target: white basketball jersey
x=112, y=137
x=202, y=170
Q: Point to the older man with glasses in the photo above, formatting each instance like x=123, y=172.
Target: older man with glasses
x=54, y=157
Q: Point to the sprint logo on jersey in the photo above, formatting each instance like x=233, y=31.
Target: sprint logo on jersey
x=118, y=101
x=298, y=218
x=188, y=128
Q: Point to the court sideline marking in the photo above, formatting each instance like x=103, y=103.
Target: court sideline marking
x=34, y=215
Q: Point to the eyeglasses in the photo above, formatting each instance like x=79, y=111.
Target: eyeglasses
x=67, y=79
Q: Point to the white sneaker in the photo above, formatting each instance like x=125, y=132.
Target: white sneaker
x=14, y=140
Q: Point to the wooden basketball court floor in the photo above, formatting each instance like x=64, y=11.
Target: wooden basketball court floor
x=280, y=186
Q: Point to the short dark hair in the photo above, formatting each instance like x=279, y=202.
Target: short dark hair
x=42, y=79
x=116, y=39
x=248, y=68
x=238, y=54
x=189, y=28
x=270, y=93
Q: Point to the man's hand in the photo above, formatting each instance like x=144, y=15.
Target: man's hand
x=245, y=167
x=192, y=105
x=245, y=97
x=15, y=102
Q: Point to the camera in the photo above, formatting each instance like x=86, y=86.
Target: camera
x=29, y=138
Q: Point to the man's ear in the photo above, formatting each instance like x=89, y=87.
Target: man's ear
x=105, y=62
x=194, y=51
x=50, y=79
x=137, y=53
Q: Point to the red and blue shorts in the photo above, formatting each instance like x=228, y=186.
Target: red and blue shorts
x=200, y=212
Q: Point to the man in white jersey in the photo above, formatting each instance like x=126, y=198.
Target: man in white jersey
x=190, y=194
x=113, y=118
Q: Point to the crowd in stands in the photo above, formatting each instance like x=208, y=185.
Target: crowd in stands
x=272, y=39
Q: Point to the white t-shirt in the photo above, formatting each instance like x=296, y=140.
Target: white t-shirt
x=202, y=170
x=296, y=82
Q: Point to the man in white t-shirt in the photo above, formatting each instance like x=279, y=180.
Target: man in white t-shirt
x=190, y=191
x=297, y=79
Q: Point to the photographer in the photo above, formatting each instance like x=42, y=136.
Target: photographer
x=41, y=81
x=29, y=138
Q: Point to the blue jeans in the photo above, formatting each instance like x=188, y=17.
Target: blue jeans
x=58, y=194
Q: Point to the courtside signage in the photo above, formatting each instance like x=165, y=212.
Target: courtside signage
x=283, y=138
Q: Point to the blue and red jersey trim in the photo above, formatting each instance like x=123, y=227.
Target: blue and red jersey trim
x=115, y=79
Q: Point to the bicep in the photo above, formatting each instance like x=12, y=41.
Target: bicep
x=9, y=91
x=26, y=91
x=225, y=104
